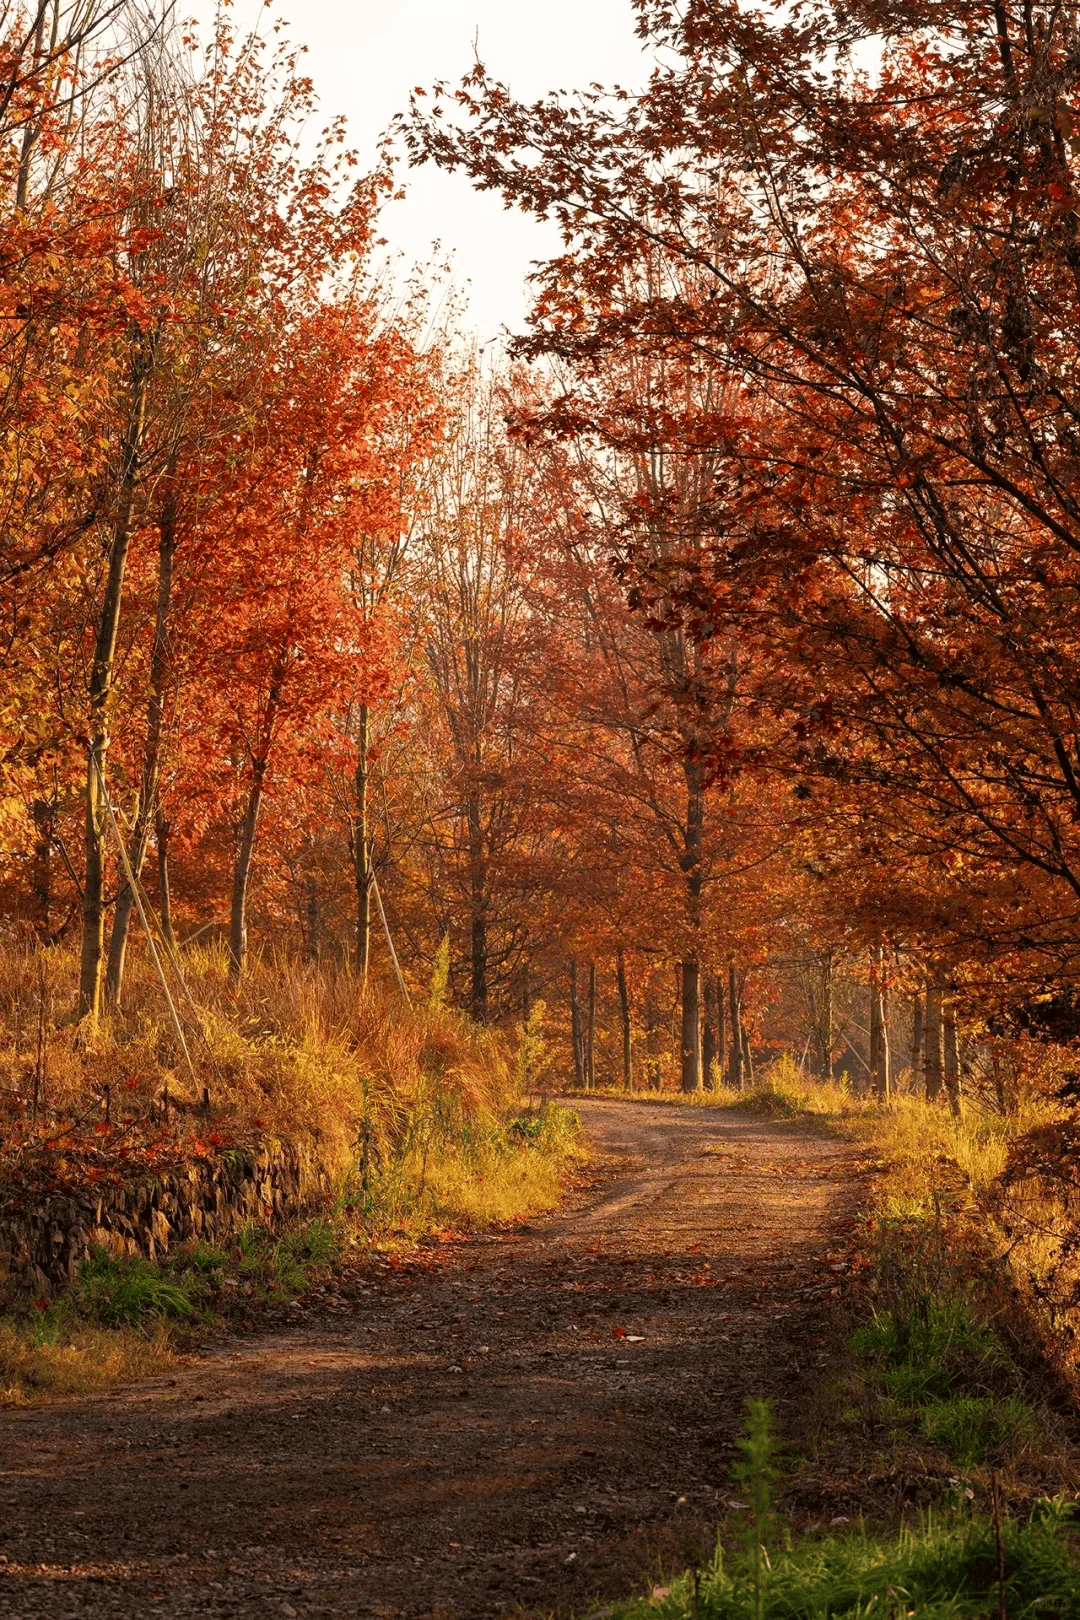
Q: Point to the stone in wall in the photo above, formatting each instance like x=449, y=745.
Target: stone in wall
x=45, y=1238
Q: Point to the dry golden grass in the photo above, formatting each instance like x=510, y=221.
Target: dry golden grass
x=297, y=1050
x=407, y=1112
x=60, y=1361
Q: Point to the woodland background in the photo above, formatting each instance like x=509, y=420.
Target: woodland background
x=698, y=683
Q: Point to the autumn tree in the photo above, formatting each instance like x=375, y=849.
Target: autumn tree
x=884, y=270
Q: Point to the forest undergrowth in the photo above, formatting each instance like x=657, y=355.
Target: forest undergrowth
x=414, y=1117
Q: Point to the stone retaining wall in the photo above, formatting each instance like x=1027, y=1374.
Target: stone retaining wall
x=43, y=1242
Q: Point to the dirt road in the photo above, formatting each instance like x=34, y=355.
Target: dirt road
x=498, y=1424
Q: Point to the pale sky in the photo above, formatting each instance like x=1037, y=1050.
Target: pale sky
x=365, y=57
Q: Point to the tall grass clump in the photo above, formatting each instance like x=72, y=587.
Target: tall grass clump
x=297, y=1049
x=406, y=1106
x=939, y=1368
x=943, y=1569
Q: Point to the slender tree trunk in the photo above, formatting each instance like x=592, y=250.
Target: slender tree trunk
x=735, y=1060
x=41, y=813
x=708, y=1033
x=32, y=126
x=590, y=1032
x=575, y=1027
x=824, y=1032
x=248, y=829
x=363, y=871
x=151, y=771
x=935, y=1056
x=102, y=672
x=951, y=1056
x=886, y=1048
x=880, y=1078
x=478, y=901
x=624, y=1013
x=721, y=1028
x=917, y=1038
x=241, y=875
x=691, y=1027
x=690, y=975
x=162, y=829
x=747, y=1055
x=875, y=1030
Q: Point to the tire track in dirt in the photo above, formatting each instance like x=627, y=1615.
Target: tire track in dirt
x=500, y=1423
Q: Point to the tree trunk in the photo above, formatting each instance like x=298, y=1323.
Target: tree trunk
x=162, y=829
x=875, y=1030
x=747, y=1055
x=102, y=671
x=917, y=1038
x=721, y=1029
x=41, y=813
x=886, y=1049
x=951, y=1056
x=248, y=829
x=935, y=1056
x=590, y=1031
x=575, y=1028
x=735, y=1060
x=363, y=872
x=880, y=1078
x=624, y=1013
x=824, y=1036
x=690, y=975
x=241, y=874
x=31, y=126
x=690, y=1054
x=708, y=1033
x=151, y=770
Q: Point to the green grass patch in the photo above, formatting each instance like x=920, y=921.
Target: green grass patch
x=198, y=1281
x=953, y=1565
x=934, y=1361
x=128, y=1292
x=939, y=1571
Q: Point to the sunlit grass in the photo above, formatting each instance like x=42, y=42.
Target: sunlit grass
x=944, y=1569
x=411, y=1116
x=63, y=1356
x=297, y=1049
